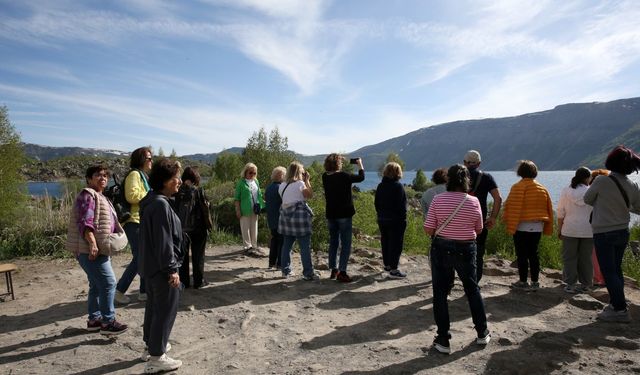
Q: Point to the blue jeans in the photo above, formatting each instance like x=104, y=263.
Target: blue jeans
x=131, y=230
x=610, y=247
x=102, y=287
x=339, y=233
x=305, y=254
x=447, y=255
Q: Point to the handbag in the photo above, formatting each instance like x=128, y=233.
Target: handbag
x=453, y=214
x=206, y=211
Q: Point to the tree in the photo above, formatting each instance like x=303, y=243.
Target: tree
x=160, y=152
x=392, y=157
x=11, y=181
x=228, y=166
x=173, y=154
x=420, y=182
x=267, y=151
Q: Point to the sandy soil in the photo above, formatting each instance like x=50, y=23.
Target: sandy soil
x=250, y=321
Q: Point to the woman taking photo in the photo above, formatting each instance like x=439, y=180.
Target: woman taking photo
x=295, y=221
x=454, y=220
x=575, y=232
x=160, y=261
x=249, y=202
x=136, y=186
x=273, y=202
x=92, y=223
x=612, y=197
x=527, y=214
x=391, y=208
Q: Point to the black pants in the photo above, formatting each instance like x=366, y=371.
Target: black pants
x=480, y=241
x=197, y=241
x=159, y=313
x=275, y=247
x=392, y=241
x=526, y=244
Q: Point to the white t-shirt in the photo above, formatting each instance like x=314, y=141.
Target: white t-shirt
x=253, y=187
x=292, y=194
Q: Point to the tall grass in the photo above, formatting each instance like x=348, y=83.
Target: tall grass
x=40, y=230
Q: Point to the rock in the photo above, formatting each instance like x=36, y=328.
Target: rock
x=316, y=367
x=552, y=274
x=369, y=268
x=321, y=266
x=365, y=253
x=586, y=302
x=503, y=341
x=258, y=252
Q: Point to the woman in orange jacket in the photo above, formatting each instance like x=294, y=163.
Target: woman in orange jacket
x=528, y=214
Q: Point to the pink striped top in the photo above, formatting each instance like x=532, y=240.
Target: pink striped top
x=464, y=225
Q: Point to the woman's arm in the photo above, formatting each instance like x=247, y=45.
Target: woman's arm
x=307, y=192
x=134, y=189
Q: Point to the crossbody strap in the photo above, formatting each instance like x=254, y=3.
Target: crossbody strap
x=453, y=214
x=285, y=189
x=624, y=193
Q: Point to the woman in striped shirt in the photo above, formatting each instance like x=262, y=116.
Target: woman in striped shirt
x=454, y=220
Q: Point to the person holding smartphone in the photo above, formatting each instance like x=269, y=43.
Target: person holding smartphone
x=339, y=211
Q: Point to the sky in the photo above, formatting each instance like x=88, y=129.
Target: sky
x=332, y=76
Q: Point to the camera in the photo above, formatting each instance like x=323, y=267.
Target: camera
x=354, y=160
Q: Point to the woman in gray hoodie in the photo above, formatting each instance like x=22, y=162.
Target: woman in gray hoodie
x=612, y=197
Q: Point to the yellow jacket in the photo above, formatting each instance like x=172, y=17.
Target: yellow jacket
x=528, y=201
x=134, y=190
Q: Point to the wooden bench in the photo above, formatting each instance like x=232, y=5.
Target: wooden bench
x=7, y=268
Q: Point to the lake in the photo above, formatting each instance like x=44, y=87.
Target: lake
x=554, y=181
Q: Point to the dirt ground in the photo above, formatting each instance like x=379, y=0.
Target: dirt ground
x=250, y=321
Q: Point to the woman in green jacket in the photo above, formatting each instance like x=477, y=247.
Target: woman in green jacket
x=249, y=202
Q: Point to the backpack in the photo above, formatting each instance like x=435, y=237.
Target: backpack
x=115, y=193
x=185, y=202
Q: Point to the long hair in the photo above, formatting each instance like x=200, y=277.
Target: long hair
x=582, y=174
x=458, y=178
x=294, y=172
x=139, y=156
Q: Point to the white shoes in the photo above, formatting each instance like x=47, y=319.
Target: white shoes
x=121, y=298
x=162, y=363
x=145, y=357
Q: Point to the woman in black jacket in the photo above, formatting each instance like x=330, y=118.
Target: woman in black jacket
x=160, y=261
x=391, y=207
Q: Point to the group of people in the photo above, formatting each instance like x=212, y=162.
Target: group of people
x=593, y=213
x=159, y=233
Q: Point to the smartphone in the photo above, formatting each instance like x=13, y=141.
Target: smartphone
x=353, y=161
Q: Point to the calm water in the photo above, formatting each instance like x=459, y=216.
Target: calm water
x=40, y=189
x=554, y=181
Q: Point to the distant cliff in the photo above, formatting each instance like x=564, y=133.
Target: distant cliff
x=565, y=137
x=562, y=138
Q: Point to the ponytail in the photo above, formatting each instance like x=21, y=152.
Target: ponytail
x=582, y=175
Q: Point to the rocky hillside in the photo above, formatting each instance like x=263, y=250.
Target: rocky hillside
x=563, y=138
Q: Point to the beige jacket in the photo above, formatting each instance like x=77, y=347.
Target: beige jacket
x=108, y=243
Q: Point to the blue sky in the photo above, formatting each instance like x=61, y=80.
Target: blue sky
x=201, y=76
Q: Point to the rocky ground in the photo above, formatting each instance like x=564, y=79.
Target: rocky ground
x=250, y=321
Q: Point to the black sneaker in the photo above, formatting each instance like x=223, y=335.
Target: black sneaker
x=334, y=273
x=441, y=343
x=397, y=274
x=113, y=328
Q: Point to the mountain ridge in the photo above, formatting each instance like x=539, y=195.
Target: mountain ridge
x=562, y=138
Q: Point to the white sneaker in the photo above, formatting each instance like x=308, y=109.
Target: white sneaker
x=145, y=357
x=162, y=363
x=142, y=297
x=121, y=298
